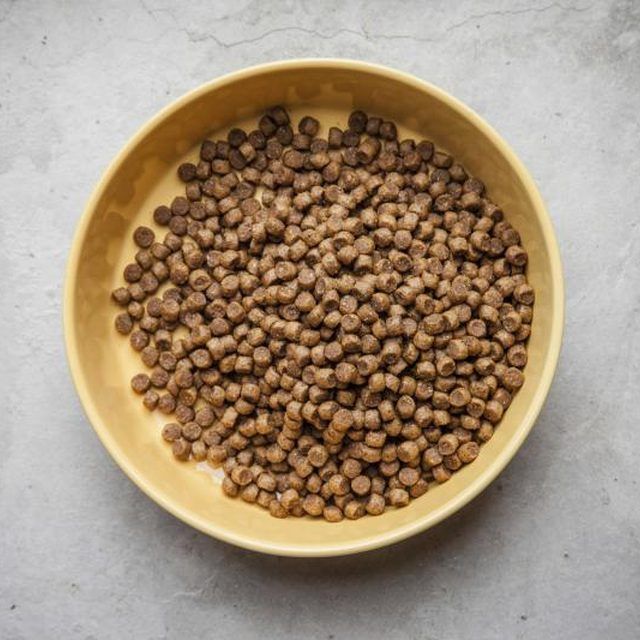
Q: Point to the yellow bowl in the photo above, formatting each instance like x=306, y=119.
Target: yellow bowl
x=143, y=175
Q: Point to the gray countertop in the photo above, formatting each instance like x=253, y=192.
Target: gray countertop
x=550, y=550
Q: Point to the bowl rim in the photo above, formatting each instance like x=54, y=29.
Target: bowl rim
x=463, y=497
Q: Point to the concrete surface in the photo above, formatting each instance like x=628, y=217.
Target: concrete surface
x=550, y=550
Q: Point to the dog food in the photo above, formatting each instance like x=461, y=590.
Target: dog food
x=337, y=321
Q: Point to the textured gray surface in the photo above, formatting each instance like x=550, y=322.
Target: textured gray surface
x=550, y=550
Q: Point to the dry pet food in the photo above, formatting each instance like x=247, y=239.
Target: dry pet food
x=337, y=319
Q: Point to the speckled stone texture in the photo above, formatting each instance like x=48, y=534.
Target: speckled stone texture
x=550, y=550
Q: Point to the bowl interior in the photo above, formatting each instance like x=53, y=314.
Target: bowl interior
x=144, y=175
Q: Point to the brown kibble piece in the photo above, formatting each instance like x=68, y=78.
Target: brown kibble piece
x=187, y=171
x=181, y=449
x=354, y=510
x=132, y=272
x=408, y=451
x=431, y=458
x=313, y=504
x=361, y=485
x=332, y=513
x=277, y=510
x=150, y=399
x=398, y=497
x=229, y=487
x=144, y=237
x=162, y=215
x=468, y=452
x=375, y=504
x=140, y=383
x=339, y=485
x=171, y=432
x=241, y=476
x=447, y=444
x=121, y=296
x=408, y=476
x=139, y=340
x=309, y=126
x=493, y=411
x=441, y=473
x=318, y=455
x=513, y=378
x=123, y=323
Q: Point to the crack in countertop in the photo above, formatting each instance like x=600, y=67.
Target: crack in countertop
x=516, y=12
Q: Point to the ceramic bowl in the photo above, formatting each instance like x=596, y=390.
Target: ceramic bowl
x=143, y=175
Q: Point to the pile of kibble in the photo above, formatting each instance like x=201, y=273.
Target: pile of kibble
x=337, y=322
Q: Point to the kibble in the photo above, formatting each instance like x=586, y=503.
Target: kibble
x=335, y=321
